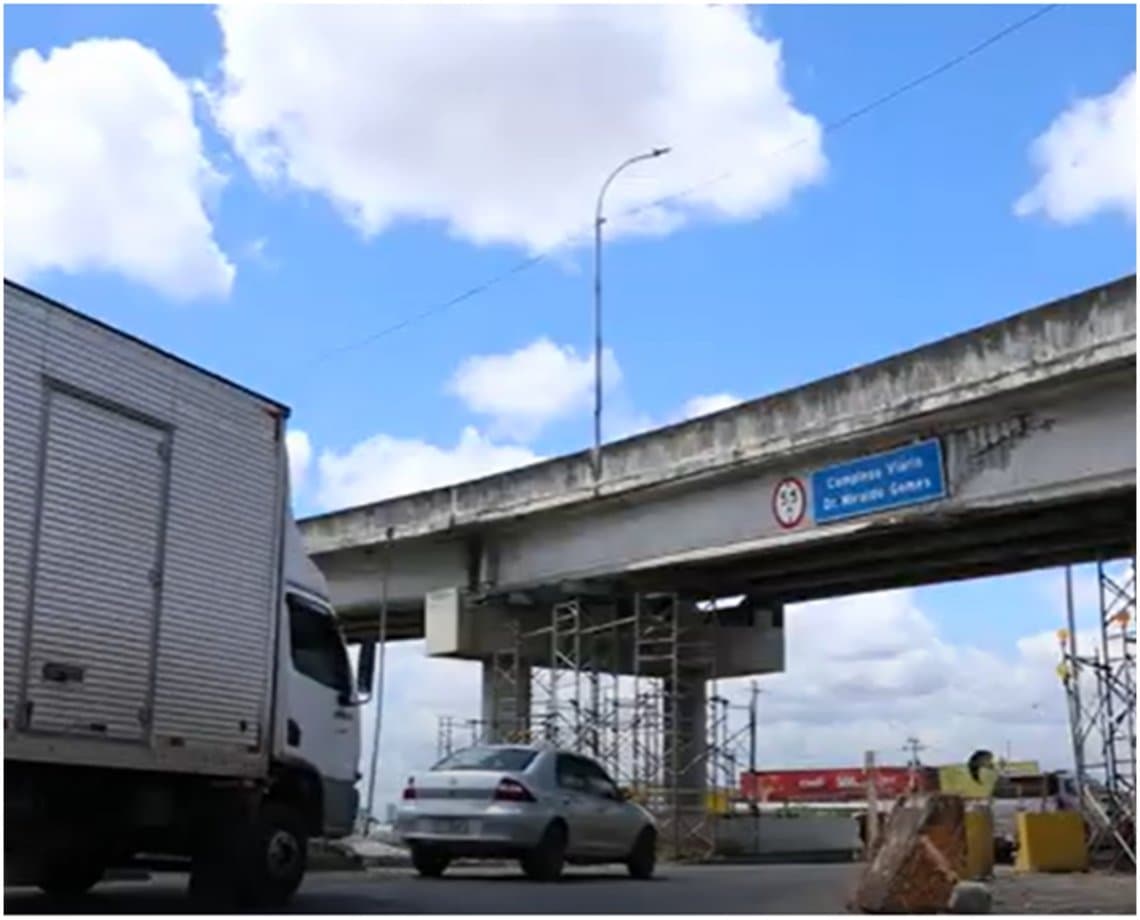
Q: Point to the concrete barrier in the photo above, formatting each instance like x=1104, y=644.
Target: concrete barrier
x=979, y=823
x=1051, y=841
x=787, y=838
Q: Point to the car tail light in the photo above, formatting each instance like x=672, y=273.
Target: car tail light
x=510, y=790
x=409, y=791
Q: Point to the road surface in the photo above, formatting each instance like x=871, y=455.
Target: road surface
x=809, y=889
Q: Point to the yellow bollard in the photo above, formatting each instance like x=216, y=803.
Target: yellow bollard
x=716, y=802
x=979, y=842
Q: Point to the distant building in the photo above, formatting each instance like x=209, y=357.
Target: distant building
x=850, y=784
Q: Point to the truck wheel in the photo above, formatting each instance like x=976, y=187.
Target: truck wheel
x=278, y=854
x=643, y=857
x=253, y=863
x=544, y=863
x=429, y=861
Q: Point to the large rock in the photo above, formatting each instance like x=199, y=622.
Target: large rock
x=970, y=898
x=920, y=858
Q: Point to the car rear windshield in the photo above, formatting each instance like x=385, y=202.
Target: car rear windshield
x=507, y=760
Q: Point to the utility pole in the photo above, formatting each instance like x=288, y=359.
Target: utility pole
x=382, y=641
x=914, y=746
x=752, y=729
x=871, y=827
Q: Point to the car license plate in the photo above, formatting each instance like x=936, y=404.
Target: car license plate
x=449, y=826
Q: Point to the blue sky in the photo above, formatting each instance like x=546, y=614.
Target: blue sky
x=894, y=231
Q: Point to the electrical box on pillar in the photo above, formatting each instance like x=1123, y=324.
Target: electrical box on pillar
x=443, y=624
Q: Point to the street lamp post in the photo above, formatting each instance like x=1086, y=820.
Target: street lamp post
x=596, y=459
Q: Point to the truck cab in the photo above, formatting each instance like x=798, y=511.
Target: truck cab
x=314, y=768
x=318, y=704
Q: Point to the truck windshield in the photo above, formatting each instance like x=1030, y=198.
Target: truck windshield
x=318, y=651
x=508, y=760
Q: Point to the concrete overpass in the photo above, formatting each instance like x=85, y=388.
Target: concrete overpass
x=1010, y=447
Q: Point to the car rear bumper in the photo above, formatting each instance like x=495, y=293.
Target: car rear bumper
x=510, y=834
x=457, y=848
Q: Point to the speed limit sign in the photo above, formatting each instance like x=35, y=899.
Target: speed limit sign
x=789, y=502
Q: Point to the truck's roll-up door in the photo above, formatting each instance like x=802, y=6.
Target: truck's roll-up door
x=98, y=570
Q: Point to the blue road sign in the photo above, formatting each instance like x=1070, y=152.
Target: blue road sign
x=909, y=475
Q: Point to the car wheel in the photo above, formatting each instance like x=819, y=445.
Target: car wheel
x=643, y=857
x=428, y=861
x=544, y=863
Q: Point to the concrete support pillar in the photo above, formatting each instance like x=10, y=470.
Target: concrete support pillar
x=506, y=699
x=687, y=699
x=685, y=826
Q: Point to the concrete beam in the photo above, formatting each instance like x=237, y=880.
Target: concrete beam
x=749, y=642
x=1036, y=416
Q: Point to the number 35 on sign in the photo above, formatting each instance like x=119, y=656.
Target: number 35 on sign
x=789, y=502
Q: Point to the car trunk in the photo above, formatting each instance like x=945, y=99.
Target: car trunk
x=444, y=792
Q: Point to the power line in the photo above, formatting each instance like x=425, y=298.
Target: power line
x=829, y=128
x=436, y=308
x=843, y=121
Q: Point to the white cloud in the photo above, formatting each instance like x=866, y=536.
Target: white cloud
x=502, y=121
x=623, y=420
x=104, y=170
x=1086, y=160
x=874, y=669
x=524, y=390
x=383, y=466
x=300, y=450
x=707, y=405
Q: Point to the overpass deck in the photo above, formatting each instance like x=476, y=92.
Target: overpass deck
x=1032, y=421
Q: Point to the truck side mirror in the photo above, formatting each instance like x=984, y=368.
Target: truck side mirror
x=366, y=671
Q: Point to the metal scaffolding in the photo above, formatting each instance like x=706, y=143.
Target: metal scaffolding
x=1100, y=685
x=673, y=654
x=732, y=745
x=631, y=682
x=454, y=732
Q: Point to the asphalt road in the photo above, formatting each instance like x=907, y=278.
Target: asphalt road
x=808, y=889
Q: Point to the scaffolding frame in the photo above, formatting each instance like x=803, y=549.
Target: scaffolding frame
x=674, y=657
x=449, y=727
x=731, y=746
x=632, y=683
x=1100, y=688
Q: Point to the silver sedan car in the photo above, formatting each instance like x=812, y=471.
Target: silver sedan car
x=543, y=806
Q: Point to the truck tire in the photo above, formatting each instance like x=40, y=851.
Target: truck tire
x=544, y=863
x=278, y=855
x=259, y=865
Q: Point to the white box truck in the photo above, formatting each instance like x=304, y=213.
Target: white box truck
x=176, y=685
